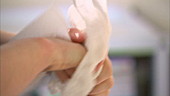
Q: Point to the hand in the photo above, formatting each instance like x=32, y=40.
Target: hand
x=22, y=60
x=104, y=80
x=5, y=36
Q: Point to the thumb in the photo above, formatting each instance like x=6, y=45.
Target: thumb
x=77, y=36
x=65, y=55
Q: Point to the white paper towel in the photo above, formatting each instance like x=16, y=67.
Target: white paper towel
x=89, y=16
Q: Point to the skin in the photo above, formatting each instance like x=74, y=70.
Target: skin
x=20, y=65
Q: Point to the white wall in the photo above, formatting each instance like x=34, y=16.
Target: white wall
x=157, y=11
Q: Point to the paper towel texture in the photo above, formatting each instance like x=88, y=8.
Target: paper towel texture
x=89, y=16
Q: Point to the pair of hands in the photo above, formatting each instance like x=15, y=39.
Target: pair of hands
x=22, y=60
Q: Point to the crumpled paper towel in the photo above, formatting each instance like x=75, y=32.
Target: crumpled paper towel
x=89, y=16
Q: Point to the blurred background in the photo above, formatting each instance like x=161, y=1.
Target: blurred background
x=139, y=45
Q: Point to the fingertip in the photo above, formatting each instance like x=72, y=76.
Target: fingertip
x=99, y=66
x=76, y=35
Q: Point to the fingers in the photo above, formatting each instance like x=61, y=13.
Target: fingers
x=70, y=71
x=105, y=74
x=105, y=93
x=102, y=87
x=76, y=35
x=99, y=66
x=106, y=71
x=5, y=36
x=104, y=80
x=62, y=75
x=65, y=55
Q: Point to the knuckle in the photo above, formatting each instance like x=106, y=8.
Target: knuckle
x=45, y=44
x=109, y=68
x=111, y=82
x=105, y=85
x=53, y=51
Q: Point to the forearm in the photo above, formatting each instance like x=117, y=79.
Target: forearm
x=22, y=60
x=5, y=37
x=17, y=71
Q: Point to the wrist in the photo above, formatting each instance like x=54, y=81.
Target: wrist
x=21, y=61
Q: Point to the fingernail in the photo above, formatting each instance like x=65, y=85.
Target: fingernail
x=76, y=35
